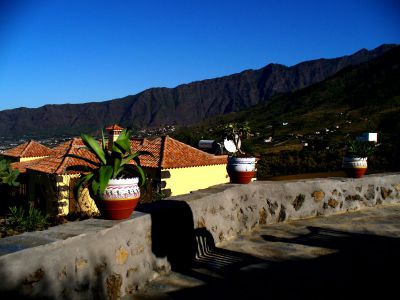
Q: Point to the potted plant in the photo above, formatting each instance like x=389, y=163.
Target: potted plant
x=355, y=161
x=241, y=167
x=110, y=176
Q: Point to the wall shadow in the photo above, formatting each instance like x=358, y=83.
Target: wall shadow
x=172, y=231
x=363, y=263
x=363, y=266
x=219, y=260
x=186, y=248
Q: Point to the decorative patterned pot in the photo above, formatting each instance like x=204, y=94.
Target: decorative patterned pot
x=241, y=169
x=119, y=199
x=355, y=167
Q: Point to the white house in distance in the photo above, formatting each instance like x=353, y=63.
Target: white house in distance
x=368, y=137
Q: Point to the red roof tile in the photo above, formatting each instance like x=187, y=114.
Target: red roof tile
x=153, y=146
x=28, y=149
x=114, y=127
x=167, y=153
x=59, y=162
x=180, y=155
x=22, y=166
x=170, y=153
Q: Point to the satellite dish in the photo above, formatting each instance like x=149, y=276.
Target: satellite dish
x=230, y=145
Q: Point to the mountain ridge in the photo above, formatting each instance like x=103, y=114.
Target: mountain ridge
x=367, y=92
x=185, y=104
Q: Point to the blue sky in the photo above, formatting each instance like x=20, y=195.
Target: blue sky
x=71, y=51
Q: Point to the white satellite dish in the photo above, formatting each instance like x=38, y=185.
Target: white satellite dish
x=230, y=145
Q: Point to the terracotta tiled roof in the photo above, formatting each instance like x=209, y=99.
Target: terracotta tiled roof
x=170, y=153
x=154, y=146
x=180, y=155
x=22, y=166
x=114, y=127
x=59, y=162
x=28, y=149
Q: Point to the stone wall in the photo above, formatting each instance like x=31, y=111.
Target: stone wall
x=107, y=259
x=91, y=259
x=228, y=210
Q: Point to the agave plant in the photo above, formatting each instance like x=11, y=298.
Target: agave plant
x=109, y=164
x=359, y=148
x=8, y=176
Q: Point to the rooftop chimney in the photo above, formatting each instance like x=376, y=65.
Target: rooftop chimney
x=113, y=134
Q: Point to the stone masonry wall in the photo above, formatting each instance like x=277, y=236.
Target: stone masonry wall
x=228, y=210
x=104, y=259
x=91, y=259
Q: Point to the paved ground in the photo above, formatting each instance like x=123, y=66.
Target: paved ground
x=348, y=256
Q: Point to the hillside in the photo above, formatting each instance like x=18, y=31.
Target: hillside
x=309, y=127
x=365, y=97
x=358, y=98
x=183, y=105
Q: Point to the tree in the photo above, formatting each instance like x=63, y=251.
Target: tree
x=8, y=176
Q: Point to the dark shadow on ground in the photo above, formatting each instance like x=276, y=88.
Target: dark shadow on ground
x=364, y=266
x=213, y=263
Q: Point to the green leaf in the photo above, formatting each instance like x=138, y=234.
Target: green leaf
x=94, y=188
x=103, y=142
x=105, y=173
x=8, y=175
x=123, y=142
x=94, y=147
x=122, y=146
x=79, y=183
x=134, y=169
x=135, y=157
x=117, y=166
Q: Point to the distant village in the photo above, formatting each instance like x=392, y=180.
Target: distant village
x=11, y=142
x=307, y=140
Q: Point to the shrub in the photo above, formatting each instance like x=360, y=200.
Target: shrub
x=8, y=176
x=296, y=162
x=21, y=220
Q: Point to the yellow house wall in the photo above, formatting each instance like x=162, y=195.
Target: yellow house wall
x=66, y=199
x=54, y=194
x=22, y=159
x=185, y=180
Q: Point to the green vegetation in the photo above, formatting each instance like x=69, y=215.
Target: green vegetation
x=297, y=162
x=359, y=148
x=235, y=132
x=19, y=220
x=8, y=176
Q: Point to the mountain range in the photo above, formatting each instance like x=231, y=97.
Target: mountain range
x=359, y=98
x=183, y=105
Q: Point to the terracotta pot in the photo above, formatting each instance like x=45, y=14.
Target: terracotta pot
x=119, y=199
x=355, y=167
x=241, y=169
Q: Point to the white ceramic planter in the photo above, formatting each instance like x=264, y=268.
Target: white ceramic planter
x=119, y=198
x=121, y=189
x=241, y=169
x=355, y=166
x=242, y=164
